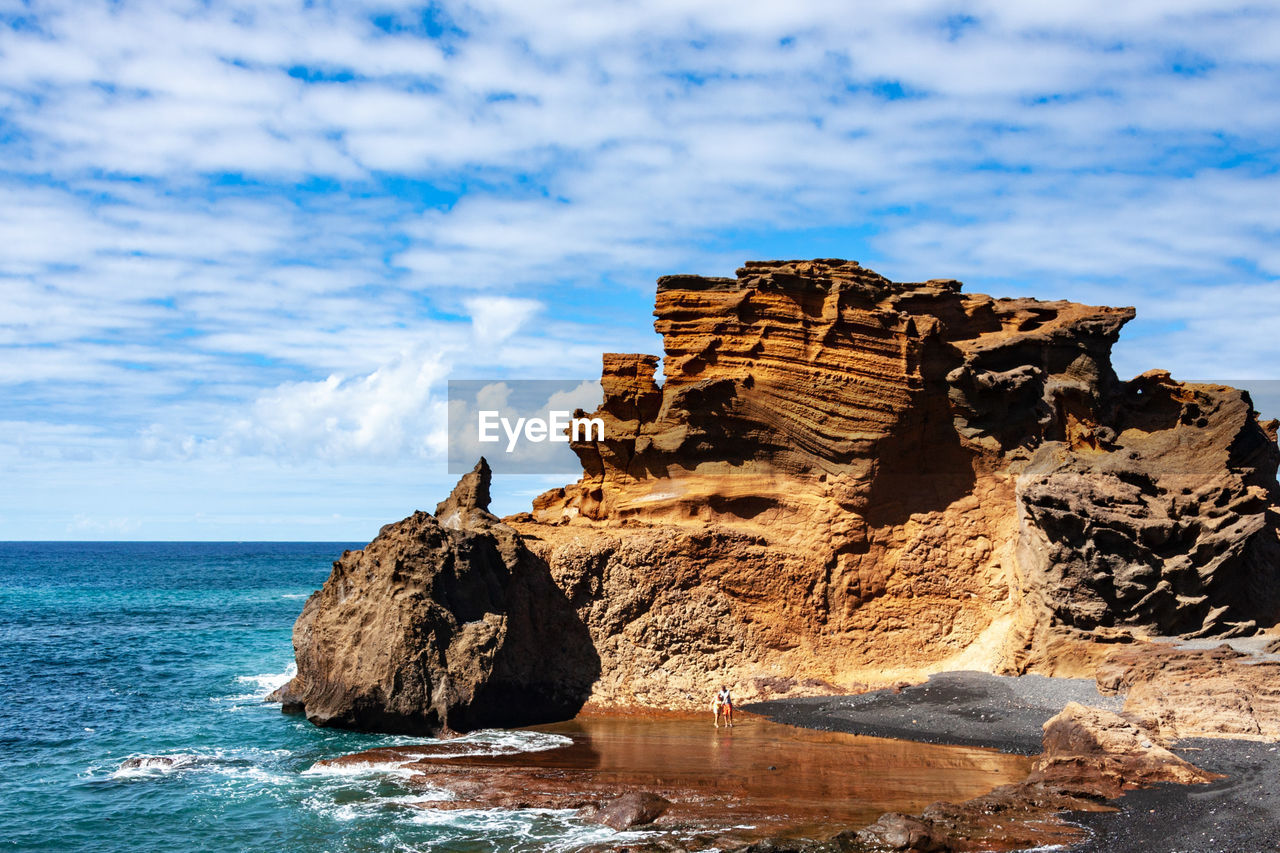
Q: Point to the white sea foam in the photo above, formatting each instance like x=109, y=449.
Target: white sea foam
x=377, y=806
x=498, y=742
x=425, y=797
x=534, y=829
x=268, y=682
x=247, y=762
x=294, y=595
x=480, y=743
x=145, y=766
x=362, y=768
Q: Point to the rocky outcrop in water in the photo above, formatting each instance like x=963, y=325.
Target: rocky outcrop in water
x=843, y=479
x=634, y=808
x=443, y=623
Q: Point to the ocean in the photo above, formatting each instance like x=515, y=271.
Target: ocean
x=162, y=653
x=132, y=680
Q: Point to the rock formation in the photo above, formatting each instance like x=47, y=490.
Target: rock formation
x=842, y=479
x=1089, y=756
x=634, y=808
x=1183, y=693
x=1108, y=754
x=442, y=623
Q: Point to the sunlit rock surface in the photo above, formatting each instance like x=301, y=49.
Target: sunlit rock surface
x=844, y=480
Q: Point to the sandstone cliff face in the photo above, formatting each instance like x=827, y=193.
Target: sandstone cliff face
x=841, y=481
x=442, y=623
x=844, y=479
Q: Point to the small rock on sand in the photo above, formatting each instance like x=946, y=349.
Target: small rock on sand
x=635, y=808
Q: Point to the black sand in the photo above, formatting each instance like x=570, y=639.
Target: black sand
x=962, y=708
x=1239, y=814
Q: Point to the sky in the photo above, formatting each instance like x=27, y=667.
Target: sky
x=243, y=246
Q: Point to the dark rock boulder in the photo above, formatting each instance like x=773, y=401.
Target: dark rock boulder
x=896, y=831
x=149, y=762
x=443, y=623
x=634, y=808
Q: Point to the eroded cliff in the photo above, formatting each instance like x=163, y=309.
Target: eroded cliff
x=843, y=479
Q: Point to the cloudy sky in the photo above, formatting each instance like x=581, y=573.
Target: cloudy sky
x=244, y=245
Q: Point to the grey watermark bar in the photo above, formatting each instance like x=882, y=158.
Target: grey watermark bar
x=522, y=426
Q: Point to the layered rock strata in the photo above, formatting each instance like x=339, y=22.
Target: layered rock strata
x=1183, y=693
x=840, y=481
x=843, y=479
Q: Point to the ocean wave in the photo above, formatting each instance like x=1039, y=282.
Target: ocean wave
x=525, y=829
x=427, y=795
x=145, y=766
x=486, y=742
x=376, y=805
x=243, y=762
x=496, y=742
x=269, y=681
x=514, y=830
x=361, y=768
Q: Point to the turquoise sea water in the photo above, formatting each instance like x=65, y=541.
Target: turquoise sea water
x=163, y=652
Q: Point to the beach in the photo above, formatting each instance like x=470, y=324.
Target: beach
x=1237, y=813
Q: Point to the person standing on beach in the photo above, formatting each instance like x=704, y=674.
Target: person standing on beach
x=723, y=704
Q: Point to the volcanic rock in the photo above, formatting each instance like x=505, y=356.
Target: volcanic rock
x=1096, y=750
x=441, y=624
x=896, y=831
x=844, y=480
x=841, y=482
x=1184, y=693
x=634, y=808
x=148, y=762
x=1090, y=755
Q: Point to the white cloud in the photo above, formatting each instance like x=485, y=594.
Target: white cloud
x=210, y=207
x=98, y=527
x=395, y=412
x=494, y=319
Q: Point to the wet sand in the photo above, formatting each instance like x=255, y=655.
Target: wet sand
x=756, y=780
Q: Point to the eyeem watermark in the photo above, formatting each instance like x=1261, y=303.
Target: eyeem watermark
x=522, y=426
x=559, y=425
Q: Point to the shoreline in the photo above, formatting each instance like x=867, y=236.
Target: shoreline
x=966, y=708
x=721, y=788
x=1238, y=812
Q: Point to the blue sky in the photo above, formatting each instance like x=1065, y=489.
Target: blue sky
x=244, y=245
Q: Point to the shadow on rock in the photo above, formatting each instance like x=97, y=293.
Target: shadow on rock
x=443, y=623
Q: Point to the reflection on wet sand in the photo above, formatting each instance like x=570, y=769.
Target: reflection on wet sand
x=757, y=779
